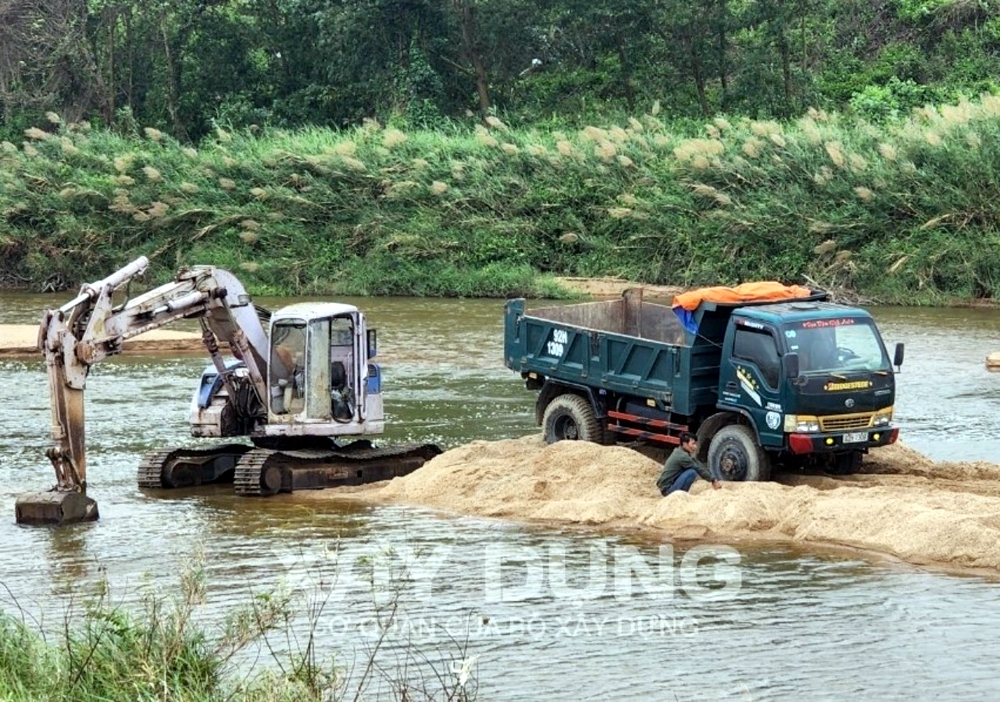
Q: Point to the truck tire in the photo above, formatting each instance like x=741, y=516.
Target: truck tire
x=570, y=417
x=734, y=451
x=846, y=463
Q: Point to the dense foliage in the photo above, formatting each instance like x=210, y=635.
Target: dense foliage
x=356, y=146
x=903, y=210
x=184, y=65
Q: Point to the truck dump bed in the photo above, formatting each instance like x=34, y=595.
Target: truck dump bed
x=626, y=345
x=628, y=316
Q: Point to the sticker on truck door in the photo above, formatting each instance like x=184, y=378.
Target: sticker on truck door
x=748, y=384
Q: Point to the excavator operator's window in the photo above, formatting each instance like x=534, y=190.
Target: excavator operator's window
x=287, y=372
x=342, y=370
x=341, y=332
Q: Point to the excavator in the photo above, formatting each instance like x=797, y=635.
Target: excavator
x=300, y=385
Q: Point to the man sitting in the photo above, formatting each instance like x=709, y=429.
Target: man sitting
x=682, y=468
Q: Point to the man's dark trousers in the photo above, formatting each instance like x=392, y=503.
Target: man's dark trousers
x=684, y=481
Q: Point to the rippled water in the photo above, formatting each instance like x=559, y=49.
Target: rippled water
x=549, y=612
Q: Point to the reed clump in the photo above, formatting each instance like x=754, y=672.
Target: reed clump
x=494, y=209
x=158, y=647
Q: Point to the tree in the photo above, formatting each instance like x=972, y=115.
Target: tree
x=46, y=60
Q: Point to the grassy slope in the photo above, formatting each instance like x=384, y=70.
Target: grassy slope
x=905, y=211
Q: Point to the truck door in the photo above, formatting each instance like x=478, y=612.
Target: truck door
x=750, y=379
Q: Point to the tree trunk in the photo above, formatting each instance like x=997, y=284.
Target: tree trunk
x=129, y=83
x=699, y=77
x=626, y=73
x=470, y=36
x=786, y=68
x=722, y=47
x=112, y=65
x=173, y=85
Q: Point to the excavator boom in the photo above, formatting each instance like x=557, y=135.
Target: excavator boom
x=90, y=328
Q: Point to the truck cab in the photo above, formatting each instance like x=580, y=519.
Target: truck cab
x=813, y=377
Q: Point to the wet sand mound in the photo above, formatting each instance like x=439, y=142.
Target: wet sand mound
x=903, y=504
x=526, y=479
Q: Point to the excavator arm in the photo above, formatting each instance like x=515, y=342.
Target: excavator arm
x=90, y=328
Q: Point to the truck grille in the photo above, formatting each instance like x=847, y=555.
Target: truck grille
x=843, y=422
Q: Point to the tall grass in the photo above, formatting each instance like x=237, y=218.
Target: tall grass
x=898, y=211
x=157, y=649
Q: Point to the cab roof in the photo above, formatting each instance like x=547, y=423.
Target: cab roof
x=797, y=310
x=309, y=311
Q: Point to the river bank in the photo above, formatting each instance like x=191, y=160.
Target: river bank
x=21, y=341
x=901, y=505
x=497, y=211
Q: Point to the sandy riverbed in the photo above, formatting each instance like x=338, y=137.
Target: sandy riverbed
x=903, y=505
x=20, y=341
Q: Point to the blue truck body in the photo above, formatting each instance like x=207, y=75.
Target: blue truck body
x=799, y=382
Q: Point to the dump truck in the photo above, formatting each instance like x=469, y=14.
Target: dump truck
x=299, y=388
x=780, y=376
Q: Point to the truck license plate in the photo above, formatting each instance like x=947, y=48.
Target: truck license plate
x=855, y=437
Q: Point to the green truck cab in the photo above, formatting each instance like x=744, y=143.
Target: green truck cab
x=802, y=382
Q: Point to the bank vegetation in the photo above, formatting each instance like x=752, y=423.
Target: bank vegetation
x=904, y=210
x=155, y=646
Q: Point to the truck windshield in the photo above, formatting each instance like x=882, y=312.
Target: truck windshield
x=836, y=345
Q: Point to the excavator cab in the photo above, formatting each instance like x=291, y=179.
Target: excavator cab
x=318, y=373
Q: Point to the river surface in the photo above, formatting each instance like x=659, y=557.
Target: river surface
x=535, y=612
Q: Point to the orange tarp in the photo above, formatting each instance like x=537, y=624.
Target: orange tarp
x=747, y=292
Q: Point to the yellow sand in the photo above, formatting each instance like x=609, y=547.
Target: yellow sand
x=903, y=504
x=21, y=341
x=993, y=362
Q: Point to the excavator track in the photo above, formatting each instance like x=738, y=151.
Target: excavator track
x=150, y=471
x=265, y=472
x=249, y=472
x=189, y=466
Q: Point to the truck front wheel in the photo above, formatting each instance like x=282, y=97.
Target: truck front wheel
x=846, y=463
x=734, y=451
x=571, y=417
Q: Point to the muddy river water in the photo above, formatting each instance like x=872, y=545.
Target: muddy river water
x=536, y=612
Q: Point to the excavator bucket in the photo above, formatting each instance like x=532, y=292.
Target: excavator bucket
x=55, y=508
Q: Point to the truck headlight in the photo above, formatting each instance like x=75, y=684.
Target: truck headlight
x=883, y=418
x=800, y=423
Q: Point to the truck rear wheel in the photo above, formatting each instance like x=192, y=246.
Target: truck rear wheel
x=570, y=417
x=734, y=451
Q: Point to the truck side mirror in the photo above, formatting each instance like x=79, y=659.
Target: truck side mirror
x=790, y=364
x=897, y=358
x=372, y=344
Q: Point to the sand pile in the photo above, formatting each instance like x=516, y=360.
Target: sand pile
x=526, y=479
x=902, y=505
